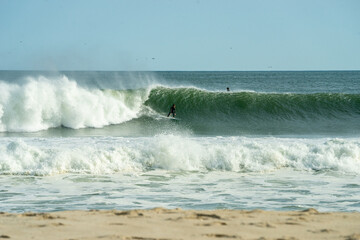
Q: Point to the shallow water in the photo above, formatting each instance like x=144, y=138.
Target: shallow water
x=280, y=190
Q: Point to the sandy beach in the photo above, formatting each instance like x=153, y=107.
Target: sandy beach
x=162, y=223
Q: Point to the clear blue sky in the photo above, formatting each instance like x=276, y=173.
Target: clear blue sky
x=179, y=35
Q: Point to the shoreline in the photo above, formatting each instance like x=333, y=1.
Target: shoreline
x=161, y=223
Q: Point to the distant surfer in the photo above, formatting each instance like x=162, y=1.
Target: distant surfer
x=172, y=111
x=228, y=89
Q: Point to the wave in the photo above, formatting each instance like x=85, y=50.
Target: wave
x=193, y=101
x=251, y=112
x=41, y=103
x=177, y=153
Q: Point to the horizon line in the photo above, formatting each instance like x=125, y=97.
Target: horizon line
x=81, y=70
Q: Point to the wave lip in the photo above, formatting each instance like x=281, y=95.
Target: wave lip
x=44, y=103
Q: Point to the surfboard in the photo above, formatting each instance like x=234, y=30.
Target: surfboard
x=167, y=118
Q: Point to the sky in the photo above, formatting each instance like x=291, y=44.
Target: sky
x=182, y=35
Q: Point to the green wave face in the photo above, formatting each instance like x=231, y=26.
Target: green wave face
x=259, y=113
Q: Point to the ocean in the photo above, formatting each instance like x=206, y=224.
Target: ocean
x=102, y=140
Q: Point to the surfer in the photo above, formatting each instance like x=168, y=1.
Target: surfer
x=172, y=110
x=228, y=89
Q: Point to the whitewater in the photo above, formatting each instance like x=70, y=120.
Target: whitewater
x=41, y=104
x=101, y=140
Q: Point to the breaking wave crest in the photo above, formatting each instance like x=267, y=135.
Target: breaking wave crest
x=177, y=153
x=42, y=104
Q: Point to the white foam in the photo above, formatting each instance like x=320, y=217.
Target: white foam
x=111, y=155
x=44, y=103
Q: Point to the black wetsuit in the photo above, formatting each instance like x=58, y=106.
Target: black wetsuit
x=172, y=111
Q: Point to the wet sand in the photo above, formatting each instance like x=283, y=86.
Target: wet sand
x=164, y=224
